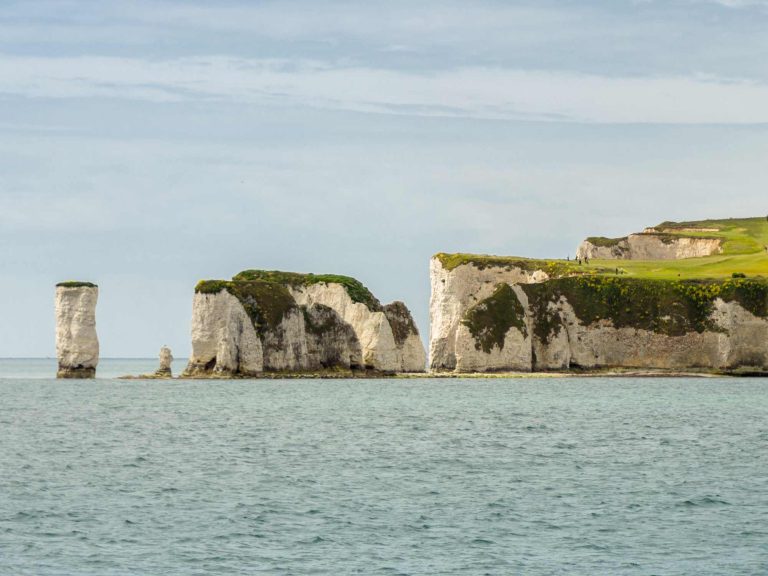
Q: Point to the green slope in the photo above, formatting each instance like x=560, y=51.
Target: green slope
x=744, y=251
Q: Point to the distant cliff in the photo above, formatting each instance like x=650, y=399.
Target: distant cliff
x=650, y=244
x=492, y=313
x=270, y=321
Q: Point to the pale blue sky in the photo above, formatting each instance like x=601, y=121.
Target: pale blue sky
x=147, y=145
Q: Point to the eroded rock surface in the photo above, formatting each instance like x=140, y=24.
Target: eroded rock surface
x=283, y=322
x=649, y=245
x=454, y=292
x=499, y=318
x=166, y=359
x=77, y=344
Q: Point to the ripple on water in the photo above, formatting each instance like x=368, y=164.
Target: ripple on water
x=583, y=476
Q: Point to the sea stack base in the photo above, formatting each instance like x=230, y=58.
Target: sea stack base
x=76, y=373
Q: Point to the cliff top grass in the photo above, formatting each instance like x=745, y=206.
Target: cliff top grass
x=744, y=252
x=483, y=261
x=76, y=284
x=738, y=235
x=266, y=303
x=604, y=242
x=356, y=290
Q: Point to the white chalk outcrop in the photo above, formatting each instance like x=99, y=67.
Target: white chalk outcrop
x=649, y=245
x=410, y=353
x=454, y=292
x=77, y=344
x=514, y=355
x=319, y=327
x=550, y=336
x=381, y=348
x=166, y=359
x=224, y=340
x=738, y=340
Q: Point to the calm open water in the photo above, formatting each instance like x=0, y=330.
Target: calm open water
x=566, y=476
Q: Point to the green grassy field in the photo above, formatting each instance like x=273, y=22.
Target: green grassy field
x=744, y=251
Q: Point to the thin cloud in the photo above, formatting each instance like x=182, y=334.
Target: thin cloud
x=739, y=3
x=472, y=92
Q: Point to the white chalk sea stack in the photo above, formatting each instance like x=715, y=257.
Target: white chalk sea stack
x=77, y=344
x=166, y=358
x=283, y=322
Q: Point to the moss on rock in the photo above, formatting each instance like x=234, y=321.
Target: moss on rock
x=320, y=320
x=489, y=320
x=553, y=268
x=401, y=322
x=76, y=284
x=266, y=303
x=603, y=242
x=667, y=307
x=356, y=290
x=267, y=299
x=212, y=286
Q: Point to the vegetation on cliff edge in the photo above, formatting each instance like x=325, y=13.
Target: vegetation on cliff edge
x=401, y=321
x=76, y=284
x=266, y=298
x=266, y=303
x=745, y=250
x=356, y=290
x=553, y=268
x=603, y=242
x=669, y=307
x=490, y=320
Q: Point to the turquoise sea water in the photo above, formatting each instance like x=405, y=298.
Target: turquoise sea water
x=565, y=476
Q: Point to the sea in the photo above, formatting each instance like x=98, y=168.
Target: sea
x=655, y=476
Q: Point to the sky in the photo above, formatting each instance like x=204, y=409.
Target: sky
x=148, y=145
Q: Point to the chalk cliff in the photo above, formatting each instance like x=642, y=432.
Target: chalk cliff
x=649, y=245
x=501, y=315
x=269, y=321
x=77, y=345
x=460, y=283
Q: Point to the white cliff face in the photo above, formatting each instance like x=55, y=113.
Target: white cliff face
x=744, y=343
x=651, y=246
x=77, y=345
x=224, y=340
x=285, y=348
x=453, y=293
x=325, y=329
x=514, y=355
x=331, y=342
x=412, y=356
x=740, y=341
x=373, y=330
x=601, y=345
x=737, y=341
x=589, y=251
